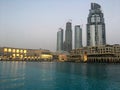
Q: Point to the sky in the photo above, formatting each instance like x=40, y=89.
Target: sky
x=34, y=24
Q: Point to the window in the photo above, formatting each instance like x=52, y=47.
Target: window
x=21, y=51
x=25, y=51
x=9, y=50
x=13, y=50
x=5, y=49
x=17, y=51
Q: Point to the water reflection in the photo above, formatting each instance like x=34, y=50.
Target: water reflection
x=12, y=74
x=58, y=76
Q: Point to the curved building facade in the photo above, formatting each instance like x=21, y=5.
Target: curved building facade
x=95, y=26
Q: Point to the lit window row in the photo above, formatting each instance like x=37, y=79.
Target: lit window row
x=14, y=50
x=17, y=55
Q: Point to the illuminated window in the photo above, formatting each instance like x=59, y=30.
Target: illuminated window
x=17, y=51
x=46, y=56
x=9, y=50
x=13, y=55
x=21, y=56
x=13, y=50
x=25, y=51
x=5, y=49
x=17, y=55
x=21, y=51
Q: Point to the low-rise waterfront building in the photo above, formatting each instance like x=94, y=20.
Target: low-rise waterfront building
x=10, y=53
x=102, y=53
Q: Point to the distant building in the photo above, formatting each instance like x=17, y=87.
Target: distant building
x=60, y=40
x=95, y=26
x=60, y=56
x=78, y=37
x=68, y=37
x=102, y=53
x=11, y=53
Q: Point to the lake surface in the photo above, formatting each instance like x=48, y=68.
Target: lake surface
x=16, y=75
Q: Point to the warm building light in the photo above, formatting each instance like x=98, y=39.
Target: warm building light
x=9, y=50
x=46, y=56
x=13, y=55
x=85, y=56
x=13, y=50
x=17, y=55
x=25, y=51
x=62, y=57
x=21, y=56
x=21, y=51
x=5, y=49
x=17, y=51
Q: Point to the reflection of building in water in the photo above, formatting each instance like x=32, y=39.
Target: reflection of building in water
x=103, y=53
x=12, y=73
x=8, y=53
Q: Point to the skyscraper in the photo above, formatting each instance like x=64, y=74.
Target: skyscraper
x=78, y=37
x=68, y=37
x=60, y=40
x=95, y=26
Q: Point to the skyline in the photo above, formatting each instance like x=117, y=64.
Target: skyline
x=34, y=23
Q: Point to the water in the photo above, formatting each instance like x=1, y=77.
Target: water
x=58, y=76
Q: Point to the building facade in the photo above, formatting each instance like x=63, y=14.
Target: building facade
x=95, y=26
x=78, y=37
x=68, y=37
x=103, y=53
x=10, y=53
x=60, y=40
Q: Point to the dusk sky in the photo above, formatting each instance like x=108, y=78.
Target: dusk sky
x=34, y=23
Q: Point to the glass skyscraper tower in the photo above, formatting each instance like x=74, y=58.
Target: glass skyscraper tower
x=78, y=37
x=68, y=37
x=95, y=26
x=60, y=40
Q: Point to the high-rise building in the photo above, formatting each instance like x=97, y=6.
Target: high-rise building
x=95, y=26
x=68, y=37
x=78, y=37
x=60, y=40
